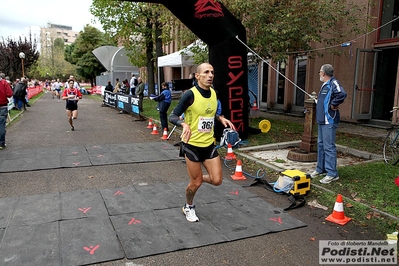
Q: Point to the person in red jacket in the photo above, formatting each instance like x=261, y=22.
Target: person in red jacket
x=5, y=93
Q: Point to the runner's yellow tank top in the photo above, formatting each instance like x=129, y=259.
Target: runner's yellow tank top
x=201, y=118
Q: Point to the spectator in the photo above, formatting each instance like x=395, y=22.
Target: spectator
x=117, y=88
x=331, y=95
x=109, y=87
x=133, y=84
x=140, y=93
x=192, y=77
x=164, y=100
x=20, y=94
x=5, y=93
x=126, y=87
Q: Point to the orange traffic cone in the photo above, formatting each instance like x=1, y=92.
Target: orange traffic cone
x=149, y=123
x=255, y=106
x=165, y=133
x=338, y=215
x=154, y=130
x=230, y=154
x=238, y=173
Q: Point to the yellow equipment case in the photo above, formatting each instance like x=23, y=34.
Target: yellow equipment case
x=301, y=180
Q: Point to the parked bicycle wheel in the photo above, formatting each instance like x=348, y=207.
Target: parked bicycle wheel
x=391, y=147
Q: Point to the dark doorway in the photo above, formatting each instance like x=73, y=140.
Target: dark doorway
x=387, y=66
x=265, y=82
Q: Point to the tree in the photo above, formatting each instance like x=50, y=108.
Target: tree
x=10, y=62
x=80, y=54
x=51, y=63
x=142, y=28
x=278, y=28
x=68, y=53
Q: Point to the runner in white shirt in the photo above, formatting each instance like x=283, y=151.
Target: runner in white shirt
x=53, y=88
x=57, y=86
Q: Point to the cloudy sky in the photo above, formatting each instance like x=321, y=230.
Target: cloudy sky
x=18, y=16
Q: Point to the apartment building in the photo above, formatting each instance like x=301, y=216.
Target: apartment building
x=53, y=31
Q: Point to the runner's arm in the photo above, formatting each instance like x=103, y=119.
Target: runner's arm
x=186, y=100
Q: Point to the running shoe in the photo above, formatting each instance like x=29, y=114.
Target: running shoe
x=72, y=129
x=328, y=179
x=190, y=214
x=314, y=174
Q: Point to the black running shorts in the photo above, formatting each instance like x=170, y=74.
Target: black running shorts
x=72, y=106
x=199, y=154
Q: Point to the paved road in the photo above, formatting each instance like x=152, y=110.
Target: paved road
x=45, y=125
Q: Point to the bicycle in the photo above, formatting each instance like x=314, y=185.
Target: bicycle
x=391, y=144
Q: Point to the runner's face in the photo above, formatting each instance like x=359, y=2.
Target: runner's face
x=71, y=84
x=205, y=76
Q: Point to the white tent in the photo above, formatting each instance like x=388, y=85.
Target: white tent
x=181, y=58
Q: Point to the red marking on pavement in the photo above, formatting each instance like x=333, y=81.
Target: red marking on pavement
x=134, y=221
x=118, y=193
x=76, y=163
x=234, y=192
x=278, y=219
x=100, y=155
x=84, y=210
x=95, y=147
x=91, y=249
x=75, y=152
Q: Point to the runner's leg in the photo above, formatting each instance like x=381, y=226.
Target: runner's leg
x=214, y=168
x=69, y=114
x=195, y=173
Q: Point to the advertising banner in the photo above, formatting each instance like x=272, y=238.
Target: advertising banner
x=127, y=103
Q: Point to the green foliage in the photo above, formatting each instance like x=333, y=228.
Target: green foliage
x=274, y=28
x=59, y=44
x=372, y=184
x=80, y=54
x=51, y=63
x=68, y=53
x=142, y=28
x=10, y=62
x=200, y=51
x=277, y=28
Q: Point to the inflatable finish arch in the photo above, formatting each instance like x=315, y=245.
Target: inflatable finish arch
x=217, y=27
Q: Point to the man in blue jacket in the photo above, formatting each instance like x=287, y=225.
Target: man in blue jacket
x=331, y=95
x=164, y=100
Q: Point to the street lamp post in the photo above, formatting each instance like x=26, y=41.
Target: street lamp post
x=22, y=56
